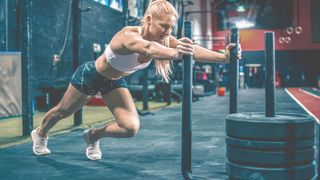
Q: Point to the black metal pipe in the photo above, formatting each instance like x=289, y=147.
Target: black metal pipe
x=186, y=109
x=145, y=90
x=126, y=12
x=76, y=25
x=180, y=20
x=270, y=73
x=26, y=47
x=234, y=72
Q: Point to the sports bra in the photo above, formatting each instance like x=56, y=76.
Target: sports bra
x=124, y=63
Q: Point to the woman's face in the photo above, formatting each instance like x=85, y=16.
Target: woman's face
x=160, y=28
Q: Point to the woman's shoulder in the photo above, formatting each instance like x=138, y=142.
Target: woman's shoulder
x=130, y=30
x=124, y=33
x=116, y=43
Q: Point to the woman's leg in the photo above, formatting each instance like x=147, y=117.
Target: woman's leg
x=127, y=123
x=72, y=101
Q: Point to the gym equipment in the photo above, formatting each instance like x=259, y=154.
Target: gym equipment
x=186, y=139
x=26, y=39
x=270, y=145
x=234, y=71
x=187, y=109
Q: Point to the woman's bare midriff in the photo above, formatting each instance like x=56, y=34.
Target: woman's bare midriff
x=106, y=70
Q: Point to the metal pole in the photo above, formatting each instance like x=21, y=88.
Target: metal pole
x=169, y=93
x=126, y=12
x=7, y=26
x=186, y=109
x=145, y=90
x=26, y=46
x=270, y=73
x=234, y=72
x=76, y=25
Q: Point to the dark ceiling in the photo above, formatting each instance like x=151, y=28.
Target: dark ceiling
x=264, y=13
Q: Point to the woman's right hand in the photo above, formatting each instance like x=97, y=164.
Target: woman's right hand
x=184, y=47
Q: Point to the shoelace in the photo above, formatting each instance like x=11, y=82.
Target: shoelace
x=41, y=143
x=94, y=151
x=92, y=143
x=94, y=148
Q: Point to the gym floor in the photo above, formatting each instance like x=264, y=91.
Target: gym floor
x=11, y=128
x=153, y=154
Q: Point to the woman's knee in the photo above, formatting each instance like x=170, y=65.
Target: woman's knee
x=133, y=130
x=131, y=126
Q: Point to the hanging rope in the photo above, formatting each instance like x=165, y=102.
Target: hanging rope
x=67, y=31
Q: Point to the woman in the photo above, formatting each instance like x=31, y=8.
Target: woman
x=131, y=49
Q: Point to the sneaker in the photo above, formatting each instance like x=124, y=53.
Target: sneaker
x=39, y=144
x=93, y=147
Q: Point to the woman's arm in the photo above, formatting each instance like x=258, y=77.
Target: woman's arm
x=135, y=43
x=206, y=55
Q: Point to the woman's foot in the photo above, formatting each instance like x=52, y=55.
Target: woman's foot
x=93, y=146
x=39, y=143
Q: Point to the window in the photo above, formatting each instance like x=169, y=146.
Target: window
x=114, y=4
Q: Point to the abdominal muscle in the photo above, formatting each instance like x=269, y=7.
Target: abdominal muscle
x=108, y=71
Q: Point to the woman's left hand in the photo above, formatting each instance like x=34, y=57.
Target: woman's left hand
x=185, y=46
x=228, y=49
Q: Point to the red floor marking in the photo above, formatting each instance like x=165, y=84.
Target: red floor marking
x=309, y=102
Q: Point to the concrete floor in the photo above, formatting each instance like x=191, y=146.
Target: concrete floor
x=153, y=154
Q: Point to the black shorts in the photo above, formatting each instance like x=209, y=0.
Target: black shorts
x=87, y=80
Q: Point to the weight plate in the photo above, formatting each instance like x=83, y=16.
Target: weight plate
x=270, y=158
x=270, y=145
x=283, y=127
x=241, y=172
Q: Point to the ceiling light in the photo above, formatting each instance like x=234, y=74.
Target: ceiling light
x=244, y=24
x=241, y=8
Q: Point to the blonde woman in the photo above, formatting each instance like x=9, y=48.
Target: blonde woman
x=131, y=49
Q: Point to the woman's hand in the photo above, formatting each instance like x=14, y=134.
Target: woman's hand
x=184, y=47
x=228, y=49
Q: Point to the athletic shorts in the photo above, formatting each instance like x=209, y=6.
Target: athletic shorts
x=87, y=80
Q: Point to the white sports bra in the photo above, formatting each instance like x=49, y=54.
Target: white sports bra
x=125, y=63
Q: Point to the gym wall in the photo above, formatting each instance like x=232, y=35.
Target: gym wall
x=8, y=26
x=49, y=24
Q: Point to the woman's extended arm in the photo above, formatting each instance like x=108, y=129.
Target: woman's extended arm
x=206, y=55
x=135, y=43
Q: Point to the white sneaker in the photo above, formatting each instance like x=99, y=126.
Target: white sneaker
x=93, y=147
x=39, y=144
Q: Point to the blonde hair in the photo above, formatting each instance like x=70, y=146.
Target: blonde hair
x=158, y=8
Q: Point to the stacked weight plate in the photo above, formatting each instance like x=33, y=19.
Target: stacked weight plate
x=260, y=147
